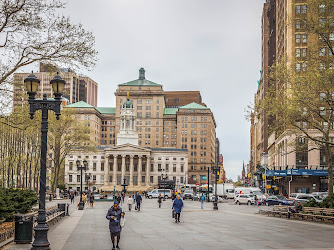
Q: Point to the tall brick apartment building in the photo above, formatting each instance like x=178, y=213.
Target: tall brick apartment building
x=164, y=119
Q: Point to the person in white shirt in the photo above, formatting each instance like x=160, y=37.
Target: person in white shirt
x=129, y=202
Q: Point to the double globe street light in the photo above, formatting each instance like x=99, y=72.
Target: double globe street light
x=44, y=104
x=80, y=167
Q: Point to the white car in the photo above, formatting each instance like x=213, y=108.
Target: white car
x=244, y=199
x=156, y=192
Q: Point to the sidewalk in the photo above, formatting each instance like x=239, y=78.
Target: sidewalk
x=230, y=227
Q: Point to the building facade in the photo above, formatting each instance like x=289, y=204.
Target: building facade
x=141, y=167
x=190, y=127
x=285, y=34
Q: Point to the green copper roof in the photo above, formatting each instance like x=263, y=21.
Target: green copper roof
x=170, y=111
x=128, y=104
x=104, y=110
x=141, y=81
x=80, y=104
x=193, y=105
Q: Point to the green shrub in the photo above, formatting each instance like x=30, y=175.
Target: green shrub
x=14, y=201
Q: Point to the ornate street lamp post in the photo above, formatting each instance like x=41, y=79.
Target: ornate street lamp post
x=32, y=82
x=215, y=169
x=79, y=167
x=124, y=185
x=164, y=183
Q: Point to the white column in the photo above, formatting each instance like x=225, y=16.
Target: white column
x=140, y=165
x=123, y=167
x=106, y=172
x=131, y=170
x=114, y=177
x=148, y=167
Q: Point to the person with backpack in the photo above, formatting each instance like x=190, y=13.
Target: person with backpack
x=202, y=200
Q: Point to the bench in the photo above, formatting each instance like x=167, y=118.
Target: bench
x=308, y=213
x=53, y=215
x=280, y=210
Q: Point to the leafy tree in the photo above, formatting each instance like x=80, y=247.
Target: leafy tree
x=35, y=31
x=66, y=134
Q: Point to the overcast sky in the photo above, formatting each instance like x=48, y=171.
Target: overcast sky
x=213, y=46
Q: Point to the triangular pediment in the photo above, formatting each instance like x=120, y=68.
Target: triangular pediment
x=128, y=148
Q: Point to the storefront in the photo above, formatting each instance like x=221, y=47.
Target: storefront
x=297, y=181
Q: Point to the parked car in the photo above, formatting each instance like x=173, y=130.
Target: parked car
x=244, y=199
x=321, y=194
x=188, y=194
x=302, y=198
x=278, y=200
x=293, y=196
x=155, y=193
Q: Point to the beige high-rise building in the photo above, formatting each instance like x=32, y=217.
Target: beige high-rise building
x=190, y=126
x=77, y=88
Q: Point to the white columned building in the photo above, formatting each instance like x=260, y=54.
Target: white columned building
x=141, y=167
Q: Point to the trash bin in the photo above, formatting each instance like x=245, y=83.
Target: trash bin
x=62, y=207
x=23, y=228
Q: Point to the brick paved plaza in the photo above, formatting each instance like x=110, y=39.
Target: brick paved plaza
x=231, y=227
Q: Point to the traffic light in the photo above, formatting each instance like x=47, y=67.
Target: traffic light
x=263, y=176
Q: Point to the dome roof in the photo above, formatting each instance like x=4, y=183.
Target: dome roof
x=128, y=104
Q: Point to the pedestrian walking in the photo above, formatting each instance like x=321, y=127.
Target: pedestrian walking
x=84, y=198
x=88, y=198
x=202, y=201
x=119, y=199
x=256, y=201
x=160, y=200
x=114, y=216
x=72, y=198
x=123, y=197
x=91, y=200
x=129, y=202
x=177, y=207
x=138, y=201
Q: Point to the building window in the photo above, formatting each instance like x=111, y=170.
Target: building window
x=71, y=166
x=193, y=177
x=78, y=178
x=152, y=167
x=151, y=179
x=181, y=180
x=94, y=177
x=70, y=178
x=94, y=166
x=110, y=167
x=174, y=168
x=182, y=167
x=143, y=179
x=102, y=178
x=176, y=100
x=297, y=38
x=110, y=178
x=102, y=166
x=167, y=167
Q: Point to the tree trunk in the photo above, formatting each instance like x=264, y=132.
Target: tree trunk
x=330, y=169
